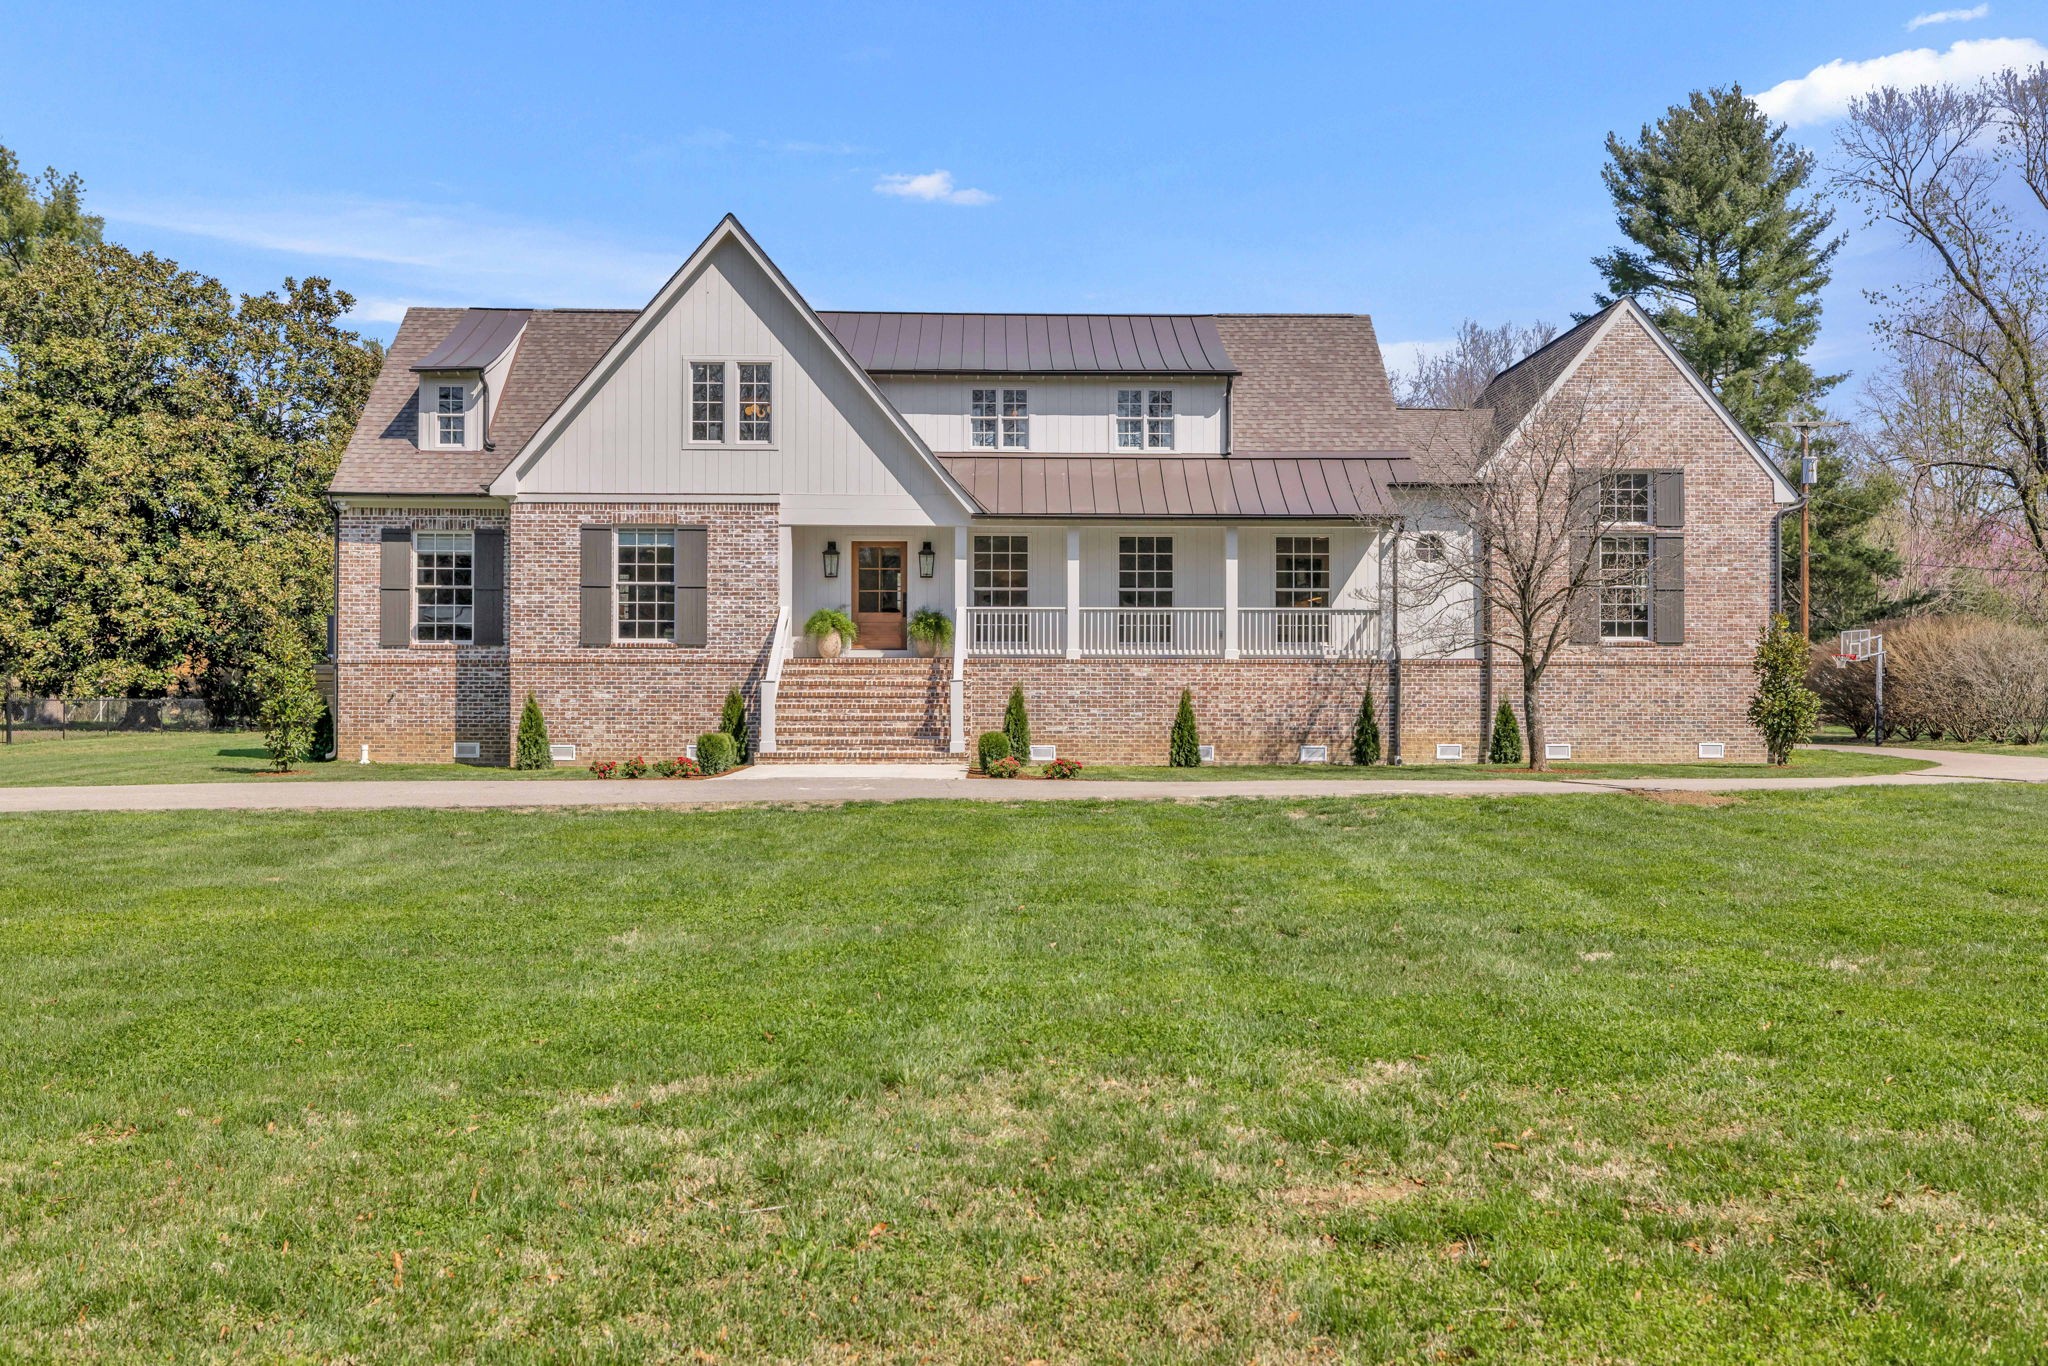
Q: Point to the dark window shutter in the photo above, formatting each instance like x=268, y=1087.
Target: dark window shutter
x=1667, y=497
x=693, y=571
x=1667, y=589
x=394, y=589
x=487, y=574
x=598, y=568
x=1584, y=627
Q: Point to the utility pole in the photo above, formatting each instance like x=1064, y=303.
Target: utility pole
x=1806, y=427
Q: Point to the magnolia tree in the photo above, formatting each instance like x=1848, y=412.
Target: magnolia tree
x=1527, y=544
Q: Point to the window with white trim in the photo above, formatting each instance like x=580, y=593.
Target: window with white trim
x=1624, y=588
x=1002, y=571
x=707, y=401
x=647, y=584
x=981, y=417
x=444, y=589
x=757, y=398
x=1625, y=499
x=1016, y=419
x=1429, y=548
x=1144, y=571
x=451, y=416
x=1301, y=571
x=1144, y=419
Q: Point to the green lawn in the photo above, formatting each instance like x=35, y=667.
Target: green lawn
x=85, y=758
x=1608, y=1079
x=1842, y=736
x=1806, y=763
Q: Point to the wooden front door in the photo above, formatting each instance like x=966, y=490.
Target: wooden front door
x=878, y=593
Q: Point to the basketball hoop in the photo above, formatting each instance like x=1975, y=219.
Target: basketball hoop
x=1853, y=647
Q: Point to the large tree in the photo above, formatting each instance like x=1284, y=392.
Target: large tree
x=1962, y=172
x=1729, y=250
x=1854, y=570
x=37, y=210
x=164, y=453
x=1454, y=376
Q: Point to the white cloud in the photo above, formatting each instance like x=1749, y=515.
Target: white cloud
x=1824, y=92
x=393, y=252
x=933, y=187
x=1947, y=16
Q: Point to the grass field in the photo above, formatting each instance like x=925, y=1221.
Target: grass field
x=1806, y=763
x=43, y=759
x=1502, y=1080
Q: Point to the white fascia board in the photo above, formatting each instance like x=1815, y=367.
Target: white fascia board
x=728, y=230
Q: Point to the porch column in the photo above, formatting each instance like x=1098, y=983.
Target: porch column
x=957, y=688
x=1073, y=592
x=1230, y=592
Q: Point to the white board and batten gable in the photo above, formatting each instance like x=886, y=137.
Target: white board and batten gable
x=838, y=451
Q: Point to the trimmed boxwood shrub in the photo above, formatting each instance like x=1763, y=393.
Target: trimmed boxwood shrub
x=1506, y=745
x=715, y=753
x=1184, y=750
x=992, y=745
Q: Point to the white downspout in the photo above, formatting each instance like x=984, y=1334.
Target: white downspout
x=957, y=694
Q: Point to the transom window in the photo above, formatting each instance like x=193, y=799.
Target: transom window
x=444, y=586
x=999, y=416
x=450, y=419
x=756, y=401
x=1625, y=587
x=647, y=585
x=1625, y=499
x=1144, y=419
x=1002, y=571
x=1301, y=571
x=707, y=400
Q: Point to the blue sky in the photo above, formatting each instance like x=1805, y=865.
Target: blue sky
x=1423, y=162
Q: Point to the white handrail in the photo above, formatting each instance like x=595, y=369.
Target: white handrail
x=771, y=682
x=1152, y=631
x=1016, y=631
x=1308, y=632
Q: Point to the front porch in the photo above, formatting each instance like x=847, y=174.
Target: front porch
x=1158, y=592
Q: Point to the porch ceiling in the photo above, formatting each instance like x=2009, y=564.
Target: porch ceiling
x=1276, y=486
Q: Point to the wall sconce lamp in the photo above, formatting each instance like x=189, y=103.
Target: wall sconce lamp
x=927, y=562
x=831, y=559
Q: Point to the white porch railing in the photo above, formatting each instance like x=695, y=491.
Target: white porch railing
x=1308, y=632
x=1152, y=631
x=1037, y=632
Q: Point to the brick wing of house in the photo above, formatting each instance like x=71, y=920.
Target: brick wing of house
x=627, y=514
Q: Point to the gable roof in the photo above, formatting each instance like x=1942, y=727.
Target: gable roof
x=1032, y=343
x=383, y=455
x=728, y=231
x=1516, y=391
x=1308, y=382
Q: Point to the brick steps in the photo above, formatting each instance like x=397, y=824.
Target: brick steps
x=885, y=710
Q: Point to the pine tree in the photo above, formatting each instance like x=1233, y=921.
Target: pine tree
x=733, y=721
x=532, y=750
x=1506, y=745
x=1184, y=750
x=1850, y=569
x=1730, y=255
x=1017, y=725
x=1365, y=734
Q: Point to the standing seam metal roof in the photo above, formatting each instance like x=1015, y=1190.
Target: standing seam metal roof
x=1033, y=343
x=479, y=337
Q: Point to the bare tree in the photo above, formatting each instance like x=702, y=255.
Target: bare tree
x=1539, y=513
x=1453, y=378
x=1964, y=173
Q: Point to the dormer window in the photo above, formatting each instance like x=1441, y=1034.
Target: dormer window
x=450, y=417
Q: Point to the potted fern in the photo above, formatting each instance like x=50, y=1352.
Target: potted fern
x=832, y=630
x=930, y=631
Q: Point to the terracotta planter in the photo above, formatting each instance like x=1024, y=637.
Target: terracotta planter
x=829, y=645
x=924, y=648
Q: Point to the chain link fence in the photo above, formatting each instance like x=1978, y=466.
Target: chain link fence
x=138, y=714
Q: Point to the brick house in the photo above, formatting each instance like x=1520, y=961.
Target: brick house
x=625, y=514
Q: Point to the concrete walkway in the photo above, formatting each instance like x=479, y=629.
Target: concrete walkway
x=821, y=783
